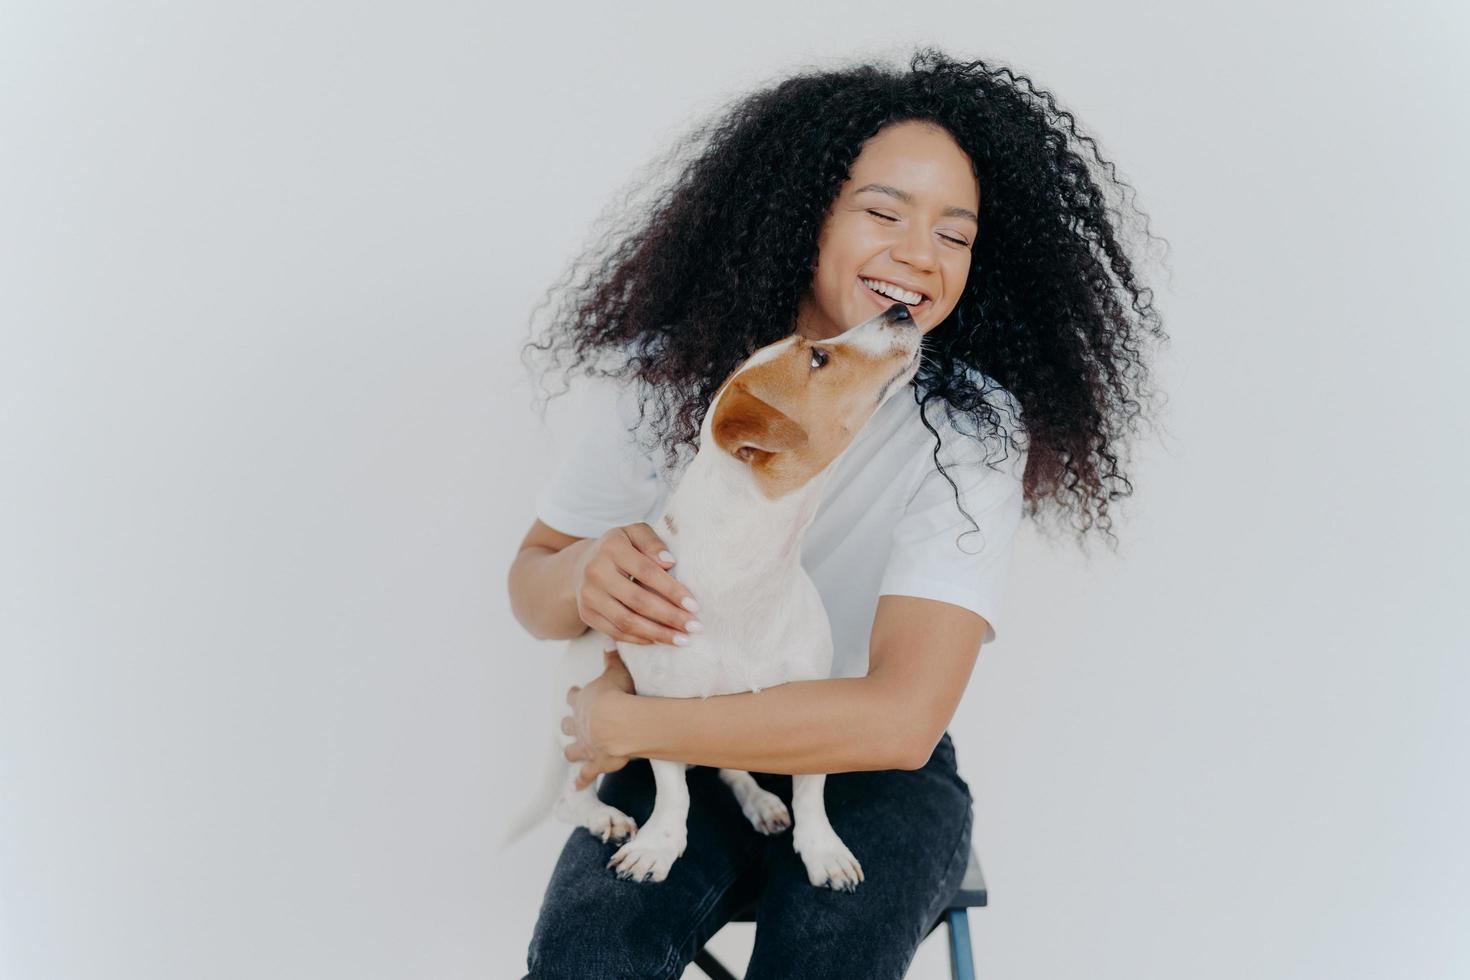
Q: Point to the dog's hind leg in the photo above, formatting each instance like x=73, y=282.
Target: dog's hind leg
x=762, y=808
x=828, y=861
x=583, y=808
x=650, y=855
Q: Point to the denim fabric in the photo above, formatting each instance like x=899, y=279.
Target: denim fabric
x=910, y=830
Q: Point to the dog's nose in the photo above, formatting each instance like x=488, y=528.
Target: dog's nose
x=897, y=313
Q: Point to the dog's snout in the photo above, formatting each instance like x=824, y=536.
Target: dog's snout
x=897, y=313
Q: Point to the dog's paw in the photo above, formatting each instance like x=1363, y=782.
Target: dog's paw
x=649, y=856
x=603, y=821
x=766, y=812
x=828, y=861
x=611, y=824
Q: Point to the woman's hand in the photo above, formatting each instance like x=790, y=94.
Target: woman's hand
x=624, y=590
x=589, y=705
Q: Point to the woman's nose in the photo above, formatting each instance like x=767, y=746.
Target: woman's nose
x=915, y=247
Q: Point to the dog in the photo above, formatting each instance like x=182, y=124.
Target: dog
x=735, y=522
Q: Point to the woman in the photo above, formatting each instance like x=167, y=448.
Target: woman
x=961, y=190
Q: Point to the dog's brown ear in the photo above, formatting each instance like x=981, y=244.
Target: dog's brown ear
x=752, y=430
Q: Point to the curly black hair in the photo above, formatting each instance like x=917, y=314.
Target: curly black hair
x=1053, y=309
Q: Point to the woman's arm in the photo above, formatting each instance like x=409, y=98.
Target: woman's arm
x=921, y=655
x=542, y=583
x=838, y=725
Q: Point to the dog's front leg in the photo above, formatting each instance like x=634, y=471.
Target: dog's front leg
x=650, y=855
x=828, y=861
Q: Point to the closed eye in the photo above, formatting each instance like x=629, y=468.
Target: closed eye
x=889, y=217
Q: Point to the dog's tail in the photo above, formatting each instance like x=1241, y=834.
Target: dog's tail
x=538, y=804
x=580, y=663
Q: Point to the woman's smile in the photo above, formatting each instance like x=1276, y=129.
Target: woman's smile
x=884, y=302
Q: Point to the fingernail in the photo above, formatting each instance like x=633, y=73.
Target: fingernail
x=690, y=604
x=665, y=556
x=681, y=639
x=694, y=626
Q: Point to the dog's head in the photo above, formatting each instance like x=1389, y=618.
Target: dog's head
x=793, y=406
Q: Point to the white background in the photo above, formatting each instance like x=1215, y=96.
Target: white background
x=267, y=450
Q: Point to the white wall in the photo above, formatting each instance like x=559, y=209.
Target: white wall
x=268, y=451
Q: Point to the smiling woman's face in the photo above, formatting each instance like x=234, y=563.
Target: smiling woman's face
x=905, y=216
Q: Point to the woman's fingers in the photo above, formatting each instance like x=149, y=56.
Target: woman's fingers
x=568, y=727
x=571, y=695
x=642, y=537
x=642, y=562
x=651, y=615
x=598, y=621
x=625, y=591
x=652, y=575
x=643, y=611
x=622, y=622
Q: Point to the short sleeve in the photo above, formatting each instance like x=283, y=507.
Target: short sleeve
x=936, y=552
x=606, y=479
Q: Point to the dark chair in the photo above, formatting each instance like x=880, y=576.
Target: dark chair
x=971, y=894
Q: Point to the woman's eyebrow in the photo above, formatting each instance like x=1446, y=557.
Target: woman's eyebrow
x=907, y=198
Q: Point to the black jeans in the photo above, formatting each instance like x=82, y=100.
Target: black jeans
x=910, y=830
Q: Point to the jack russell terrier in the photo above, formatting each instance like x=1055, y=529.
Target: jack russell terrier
x=736, y=522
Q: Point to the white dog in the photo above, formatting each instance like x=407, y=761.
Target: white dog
x=736, y=522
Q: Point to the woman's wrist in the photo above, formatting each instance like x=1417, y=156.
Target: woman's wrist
x=568, y=571
x=543, y=590
x=611, y=723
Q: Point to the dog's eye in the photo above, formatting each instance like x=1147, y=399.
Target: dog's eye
x=819, y=357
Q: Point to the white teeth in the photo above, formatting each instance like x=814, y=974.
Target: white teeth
x=893, y=292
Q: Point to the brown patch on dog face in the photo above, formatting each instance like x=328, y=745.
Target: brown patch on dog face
x=788, y=419
x=669, y=523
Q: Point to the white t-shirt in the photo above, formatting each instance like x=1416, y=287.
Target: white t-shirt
x=887, y=526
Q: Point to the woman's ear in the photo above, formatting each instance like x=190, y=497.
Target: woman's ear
x=752, y=430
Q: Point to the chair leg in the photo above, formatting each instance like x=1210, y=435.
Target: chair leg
x=712, y=967
x=961, y=957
